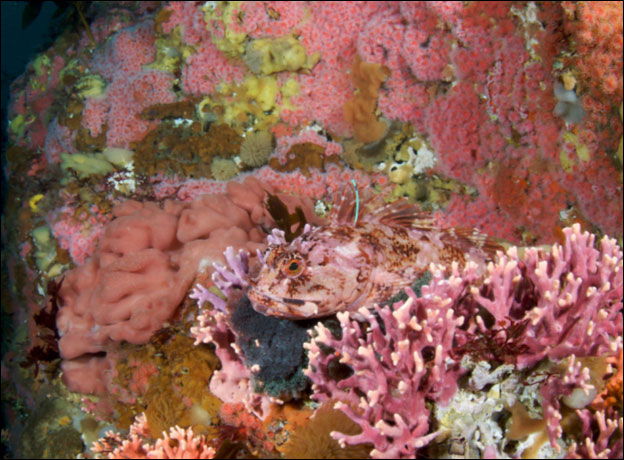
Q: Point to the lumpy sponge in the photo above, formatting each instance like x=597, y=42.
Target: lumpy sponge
x=145, y=262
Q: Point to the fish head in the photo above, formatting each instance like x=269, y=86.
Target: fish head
x=314, y=276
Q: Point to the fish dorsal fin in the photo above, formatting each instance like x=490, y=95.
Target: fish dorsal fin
x=344, y=210
x=399, y=213
x=373, y=209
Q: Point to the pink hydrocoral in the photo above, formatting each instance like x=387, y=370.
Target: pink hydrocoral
x=574, y=378
x=568, y=301
x=178, y=443
x=539, y=305
x=400, y=356
x=601, y=434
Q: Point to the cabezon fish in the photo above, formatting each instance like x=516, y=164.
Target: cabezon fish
x=356, y=259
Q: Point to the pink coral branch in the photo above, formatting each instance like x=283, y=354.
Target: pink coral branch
x=178, y=443
x=571, y=297
x=233, y=382
x=605, y=444
x=400, y=357
x=225, y=278
x=575, y=377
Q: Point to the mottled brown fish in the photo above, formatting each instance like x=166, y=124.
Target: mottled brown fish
x=349, y=262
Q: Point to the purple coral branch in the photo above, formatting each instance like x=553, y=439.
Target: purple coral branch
x=604, y=445
x=203, y=295
x=232, y=383
x=235, y=275
x=276, y=237
x=577, y=290
x=574, y=379
x=393, y=372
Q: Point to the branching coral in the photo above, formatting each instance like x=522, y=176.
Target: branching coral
x=602, y=437
x=571, y=298
x=177, y=443
x=400, y=357
x=575, y=377
x=555, y=304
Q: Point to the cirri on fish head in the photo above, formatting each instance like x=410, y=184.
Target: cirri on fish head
x=319, y=273
x=349, y=263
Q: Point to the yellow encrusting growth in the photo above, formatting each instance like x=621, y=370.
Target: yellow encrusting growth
x=233, y=42
x=271, y=55
x=45, y=256
x=253, y=102
x=33, y=202
x=85, y=164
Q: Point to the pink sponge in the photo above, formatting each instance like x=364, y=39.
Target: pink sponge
x=128, y=289
x=146, y=261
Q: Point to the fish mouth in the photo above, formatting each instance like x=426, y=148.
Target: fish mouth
x=283, y=307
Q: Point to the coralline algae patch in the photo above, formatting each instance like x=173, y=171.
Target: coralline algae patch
x=496, y=115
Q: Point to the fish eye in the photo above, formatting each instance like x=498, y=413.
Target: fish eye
x=294, y=267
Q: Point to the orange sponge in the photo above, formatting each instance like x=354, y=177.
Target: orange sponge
x=360, y=109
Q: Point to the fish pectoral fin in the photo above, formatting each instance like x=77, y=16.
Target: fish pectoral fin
x=396, y=279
